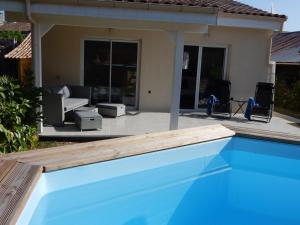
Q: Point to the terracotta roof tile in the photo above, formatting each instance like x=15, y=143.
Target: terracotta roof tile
x=15, y=26
x=23, y=51
x=286, y=47
x=285, y=41
x=226, y=6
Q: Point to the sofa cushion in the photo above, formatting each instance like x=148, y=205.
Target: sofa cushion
x=73, y=103
x=66, y=91
x=63, y=90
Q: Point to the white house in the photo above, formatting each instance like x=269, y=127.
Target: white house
x=150, y=55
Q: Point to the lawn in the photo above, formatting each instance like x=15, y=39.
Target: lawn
x=287, y=112
x=49, y=144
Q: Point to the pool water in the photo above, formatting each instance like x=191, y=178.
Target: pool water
x=233, y=181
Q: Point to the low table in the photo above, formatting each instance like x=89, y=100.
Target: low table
x=241, y=104
x=88, y=120
x=111, y=109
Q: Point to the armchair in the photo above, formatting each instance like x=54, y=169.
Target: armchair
x=61, y=99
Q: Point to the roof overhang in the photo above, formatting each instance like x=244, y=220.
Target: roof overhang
x=144, y=16
x=250, y=21
x=288, y=63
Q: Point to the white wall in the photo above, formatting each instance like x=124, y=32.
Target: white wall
x=61, y=60
x=248, y=58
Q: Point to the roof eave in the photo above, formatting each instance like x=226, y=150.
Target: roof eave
x=251, y=21
x=154, y=12
x=289, y=63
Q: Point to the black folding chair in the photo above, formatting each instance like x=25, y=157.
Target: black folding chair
x=264, y=97
x=222, y=92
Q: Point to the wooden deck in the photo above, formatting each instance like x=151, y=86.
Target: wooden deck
x=266, y=135
x=17, y=181
x=98, y=151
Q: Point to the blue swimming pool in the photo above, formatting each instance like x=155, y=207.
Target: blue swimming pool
x=232, y=181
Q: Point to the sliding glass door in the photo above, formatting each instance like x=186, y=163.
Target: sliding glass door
x=212, y=69
x=123, y=73
x=202, y=66
x=110, y=67
x=189, y=77
x=97, y=69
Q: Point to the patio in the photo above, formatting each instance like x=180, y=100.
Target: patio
x=147, y=122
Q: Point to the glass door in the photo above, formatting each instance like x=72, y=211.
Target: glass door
x=97, y=69
x=123, y=73
x=110, y=67
x=189, y=77
x=212, y=69
x=202, y=66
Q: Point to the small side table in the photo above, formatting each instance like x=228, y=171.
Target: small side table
x=111, y=109
x=240, y=104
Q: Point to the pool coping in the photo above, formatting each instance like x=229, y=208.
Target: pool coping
x=19, y=172
x=265, y=135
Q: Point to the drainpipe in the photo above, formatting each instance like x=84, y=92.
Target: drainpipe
x=28, y=11
x=271, y=64
x=36, y=55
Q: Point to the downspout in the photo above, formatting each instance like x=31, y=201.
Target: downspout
x=33, y=41
x=28, y=11
x=272, y=65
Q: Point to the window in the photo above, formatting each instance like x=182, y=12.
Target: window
x=110, y=67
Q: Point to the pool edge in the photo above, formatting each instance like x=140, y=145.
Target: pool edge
x=161, y=142
x=265, y=135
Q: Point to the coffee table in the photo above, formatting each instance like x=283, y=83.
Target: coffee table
x=88, y=120
x=111, y=109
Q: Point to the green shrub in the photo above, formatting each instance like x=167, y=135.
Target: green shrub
x=288, y=95
x=18, y=115
x=13, y=35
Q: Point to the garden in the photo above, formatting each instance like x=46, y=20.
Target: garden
x=18, y=114
x=287, y=93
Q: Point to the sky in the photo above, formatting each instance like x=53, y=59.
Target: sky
x=290, y=8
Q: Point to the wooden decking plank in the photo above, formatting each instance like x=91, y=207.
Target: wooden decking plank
x=118, y=144
x=99, y=151
x=118, y=141
x=67, y=148
x=15, y=188
x=266, y=135
x=5, y=167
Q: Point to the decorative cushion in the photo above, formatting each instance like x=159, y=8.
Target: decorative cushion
x=63, y=90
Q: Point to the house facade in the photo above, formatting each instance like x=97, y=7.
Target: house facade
x=149, y=55
x=67, y=54
x=286, y=54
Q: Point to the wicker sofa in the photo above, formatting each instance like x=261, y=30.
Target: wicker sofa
x=59, y=100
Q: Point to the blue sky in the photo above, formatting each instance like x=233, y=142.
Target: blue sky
x=291, y=8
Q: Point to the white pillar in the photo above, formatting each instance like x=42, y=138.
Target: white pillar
x=271, y=72
x=37, y=61
x=177, y=75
